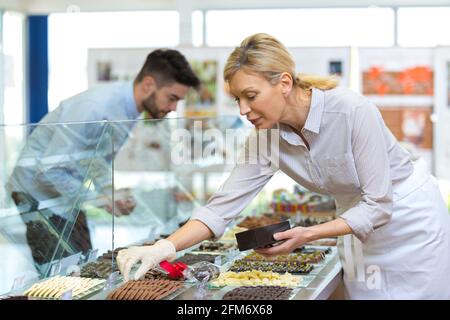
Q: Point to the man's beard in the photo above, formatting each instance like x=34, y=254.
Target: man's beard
x=149, y=105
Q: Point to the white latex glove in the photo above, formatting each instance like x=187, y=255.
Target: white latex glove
x=149, y=256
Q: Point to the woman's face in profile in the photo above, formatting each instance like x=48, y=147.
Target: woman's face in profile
x=260, y=101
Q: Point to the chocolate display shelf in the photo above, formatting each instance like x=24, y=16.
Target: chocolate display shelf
x=260, y=221
x=145, y=290
x=154, y=274
x=325, y=250
x=109, y=255
x=55, y=287
x=14, y=298
x=215, y=247
x=259, y=293
x=190, y=258
x=79, y=236
x=304, y=258
x=309, y=222
x=279, y=267
x=97, y=269
x=44, y=243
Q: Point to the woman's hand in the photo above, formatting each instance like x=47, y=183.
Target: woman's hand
x=292, y=238
x=298, y=236
x=149, y=256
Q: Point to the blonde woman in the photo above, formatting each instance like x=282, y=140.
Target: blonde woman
x=392, y=223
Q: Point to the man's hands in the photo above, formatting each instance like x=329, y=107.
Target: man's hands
x=123, y=207
x=124, y=204
x=149, y=256
x=292, y=239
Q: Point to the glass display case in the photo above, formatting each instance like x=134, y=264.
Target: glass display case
x=74, y=194
x=50, y=175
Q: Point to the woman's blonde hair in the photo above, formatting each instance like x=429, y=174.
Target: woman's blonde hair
x=263, y=54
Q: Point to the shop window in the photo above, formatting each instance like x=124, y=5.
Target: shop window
x=72, y=34
x=304, y=27
x=423, y=27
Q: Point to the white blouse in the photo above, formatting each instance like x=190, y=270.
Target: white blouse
x=352, y=156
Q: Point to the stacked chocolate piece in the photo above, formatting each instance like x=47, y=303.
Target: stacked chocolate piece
x=258, y=293
x=43, y=242
x=103, y=267
x=145, y=290
x=111, y=255
x=97, y=269
x=79, y=237
x=154, y=274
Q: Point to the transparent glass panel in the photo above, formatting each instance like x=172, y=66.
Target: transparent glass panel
x=58, y=174
x=164, y=170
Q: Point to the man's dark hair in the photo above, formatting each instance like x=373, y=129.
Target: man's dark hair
x=168, y=66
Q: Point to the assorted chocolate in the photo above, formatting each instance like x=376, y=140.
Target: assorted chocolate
x=54, y=288
x=43, y=243
x=278, y=267
x=230, y=235
x=256, y=278
x=260, y=221
x=14, y=298
x=215, y=246
x=315, y=257
x=311, y=221
x=79, y=237
x=154, y=274
x=145, y=290
x=97, y=269
x=259, y=293
x=111, y=255
x=191, y=259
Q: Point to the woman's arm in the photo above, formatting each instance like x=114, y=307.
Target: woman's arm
x=298, y=236
x=191, y=233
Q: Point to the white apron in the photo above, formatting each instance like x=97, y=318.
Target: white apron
x=407, y=258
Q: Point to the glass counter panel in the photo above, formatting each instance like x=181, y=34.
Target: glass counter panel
x=164, y=170
x=50, y=177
